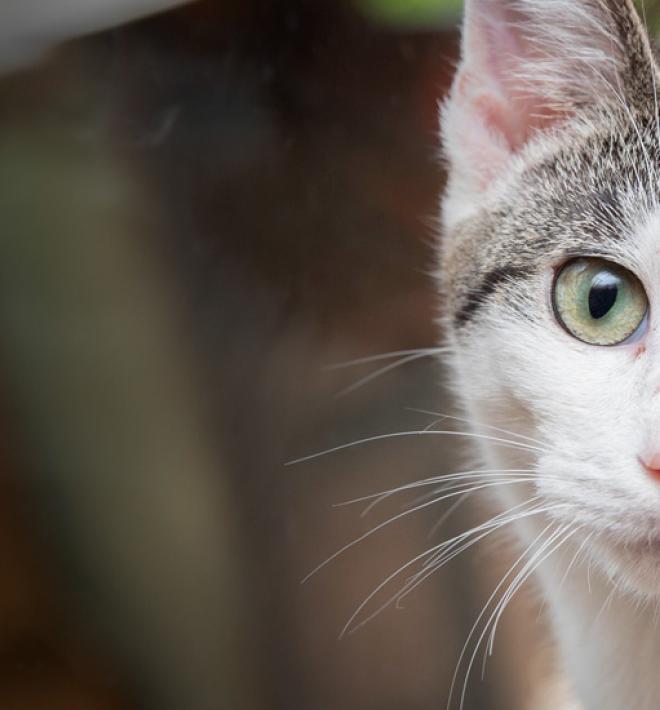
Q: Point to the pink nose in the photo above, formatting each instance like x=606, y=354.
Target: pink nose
x=652, y=464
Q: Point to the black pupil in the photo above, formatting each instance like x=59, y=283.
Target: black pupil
x=603, y=294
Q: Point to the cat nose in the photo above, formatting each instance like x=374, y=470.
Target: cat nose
x=651, y=463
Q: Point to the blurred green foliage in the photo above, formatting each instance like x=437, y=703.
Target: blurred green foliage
x=650, y=10
x=412, y=13
x=433, y=13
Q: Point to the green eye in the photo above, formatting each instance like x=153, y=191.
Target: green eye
x=599, y=302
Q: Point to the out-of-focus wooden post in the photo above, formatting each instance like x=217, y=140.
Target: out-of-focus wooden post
x=129, y=490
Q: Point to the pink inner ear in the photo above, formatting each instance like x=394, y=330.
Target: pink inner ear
x=475, y=133
x=496, y=51
x=489, y=127
x=499, y=118
x=514, y=119
x=493, y=112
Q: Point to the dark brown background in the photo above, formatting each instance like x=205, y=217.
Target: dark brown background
x=199, y=213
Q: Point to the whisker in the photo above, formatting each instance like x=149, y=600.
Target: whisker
x=463, y=420
x=484, y=609
x=380, y=372
x=495, y=523
x=441, y=557
x=558, y=532
x=569, y=567
x=421, y=352
x=606, y=603
x=571, y=564
x=522, y=473
x=430, y=482
x=446, y=555
x=521, y=577
x=447, y=514
x=415, y=433
x=397, y=517
x=533, y=564
x=420, y=577
x=400, y=594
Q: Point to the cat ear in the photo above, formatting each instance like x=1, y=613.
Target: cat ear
x=527, y=64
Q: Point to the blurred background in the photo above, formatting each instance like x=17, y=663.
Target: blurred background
x=203, y=210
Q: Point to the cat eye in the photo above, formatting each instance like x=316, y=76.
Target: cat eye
x=599, y=302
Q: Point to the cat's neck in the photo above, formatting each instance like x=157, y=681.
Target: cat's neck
x=608, y=643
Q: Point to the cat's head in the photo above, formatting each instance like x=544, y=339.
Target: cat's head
x=551, y=259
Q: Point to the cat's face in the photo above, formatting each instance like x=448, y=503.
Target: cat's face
x=551, y=264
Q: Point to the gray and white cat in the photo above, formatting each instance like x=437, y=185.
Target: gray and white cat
x=551, y=278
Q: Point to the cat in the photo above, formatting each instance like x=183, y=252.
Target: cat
x=550, y=275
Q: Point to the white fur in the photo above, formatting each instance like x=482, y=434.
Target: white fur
x=596, y=410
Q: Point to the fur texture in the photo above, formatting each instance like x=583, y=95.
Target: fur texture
x=552, y=136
